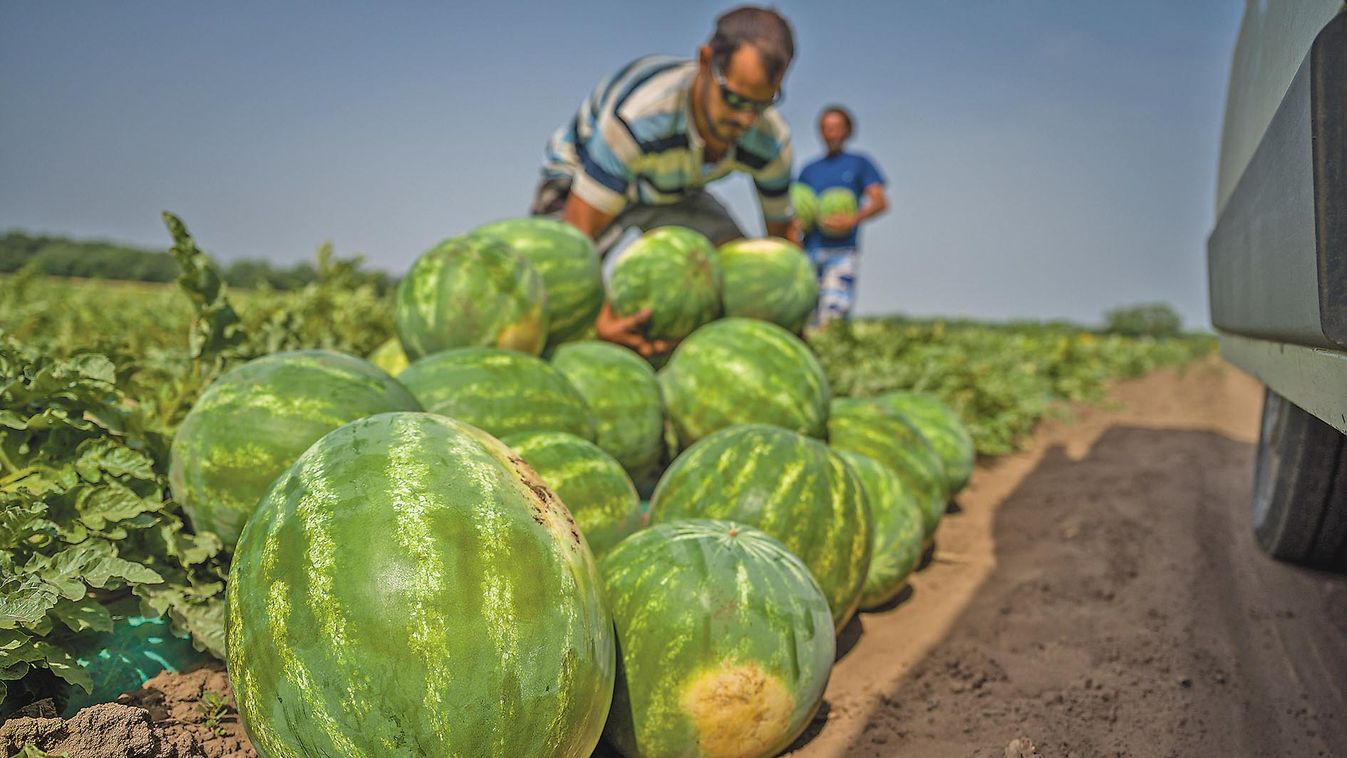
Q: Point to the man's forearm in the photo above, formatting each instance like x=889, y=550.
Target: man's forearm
x=585, y=217
x=785, y=230
x=876, y=203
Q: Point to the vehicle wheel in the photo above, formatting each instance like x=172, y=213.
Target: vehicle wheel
x=1300, y=487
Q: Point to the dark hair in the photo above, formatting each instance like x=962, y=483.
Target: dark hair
x=763, y=28
x=843, y=112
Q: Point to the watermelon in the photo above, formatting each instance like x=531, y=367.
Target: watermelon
x=836, y=200
x=898, y=534
x=589, y=482
x=409, y=587
x=254, y=421
x=725, y=642
x=768, y=279
x=389, y=357
x=872, y=430
x=624, y=394
x=806, y=205
x=789, y=486
x=942, y=427
x=566, y=260
x=468, y=292
x=501, y=391
x=673, y=271
x=744, y=371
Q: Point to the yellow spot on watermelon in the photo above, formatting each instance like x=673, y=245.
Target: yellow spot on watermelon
x=738, y=709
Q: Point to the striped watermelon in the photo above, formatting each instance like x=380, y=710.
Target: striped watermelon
x=468, y=292
x=863, y=427
x=254, y=421
x=898, y=532
x=725, y=642
x=409, y=587
x=834, y=201
x=624, y=394
x=501, y=391
x=592, y=485
x=942, y=427
x=806, y=205
x=389, y=357
x=770, y=279
x=568, y=264
x=788, y=485
x=673, y=271
x=744, y=371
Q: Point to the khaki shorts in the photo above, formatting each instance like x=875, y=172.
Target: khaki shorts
x=699, y=210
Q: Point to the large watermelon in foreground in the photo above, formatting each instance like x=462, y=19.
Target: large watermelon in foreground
x=744, y=371
x=595, y=489
x=408, y=588
x=872, y=430
x=770, y=279
x=791, y=487
x=566, y=260
x=501, y=391
x=674, y=272
x=624, y=395
x=725, y=641
x=898, y=534
x=470, y=291
x=942, y=427
x=255, y=420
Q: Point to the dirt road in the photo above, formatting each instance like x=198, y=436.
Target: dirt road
x=1101, y=595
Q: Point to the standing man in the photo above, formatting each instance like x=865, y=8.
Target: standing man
x=647, y=141
x=833, y=246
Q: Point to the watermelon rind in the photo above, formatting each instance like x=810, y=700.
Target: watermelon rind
x=769, y=279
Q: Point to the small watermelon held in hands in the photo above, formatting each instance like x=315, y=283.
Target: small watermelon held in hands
x=675, y=273
x=806, y=205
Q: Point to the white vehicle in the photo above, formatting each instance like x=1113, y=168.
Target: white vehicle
x=1277, y=266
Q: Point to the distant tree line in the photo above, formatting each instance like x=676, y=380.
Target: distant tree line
x=93, y=259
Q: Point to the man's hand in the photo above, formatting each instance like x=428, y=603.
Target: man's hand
x=627, y=331
x=839, y=224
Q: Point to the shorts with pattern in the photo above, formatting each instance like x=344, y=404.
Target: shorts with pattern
x=836, y=270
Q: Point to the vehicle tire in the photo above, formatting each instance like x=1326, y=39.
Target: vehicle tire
x=1300, y=487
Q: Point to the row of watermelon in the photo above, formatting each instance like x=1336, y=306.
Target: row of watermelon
x=532, y=284
x=425, y=531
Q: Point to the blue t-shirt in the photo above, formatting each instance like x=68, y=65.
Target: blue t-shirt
x=851, y=170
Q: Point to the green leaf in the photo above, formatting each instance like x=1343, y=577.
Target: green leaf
x=100, y=457
x=32, y=751
x=83, y=614
x=111, y=502
x=64, y=665
x=26, y=600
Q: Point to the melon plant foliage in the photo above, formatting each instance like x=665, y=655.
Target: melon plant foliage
x=83, y=515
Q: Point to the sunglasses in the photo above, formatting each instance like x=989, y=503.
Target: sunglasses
x=737, y=101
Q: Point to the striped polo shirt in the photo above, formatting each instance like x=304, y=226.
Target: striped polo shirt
x=633, y=141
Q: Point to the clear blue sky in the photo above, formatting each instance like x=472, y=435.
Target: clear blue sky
x=1045, y=159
